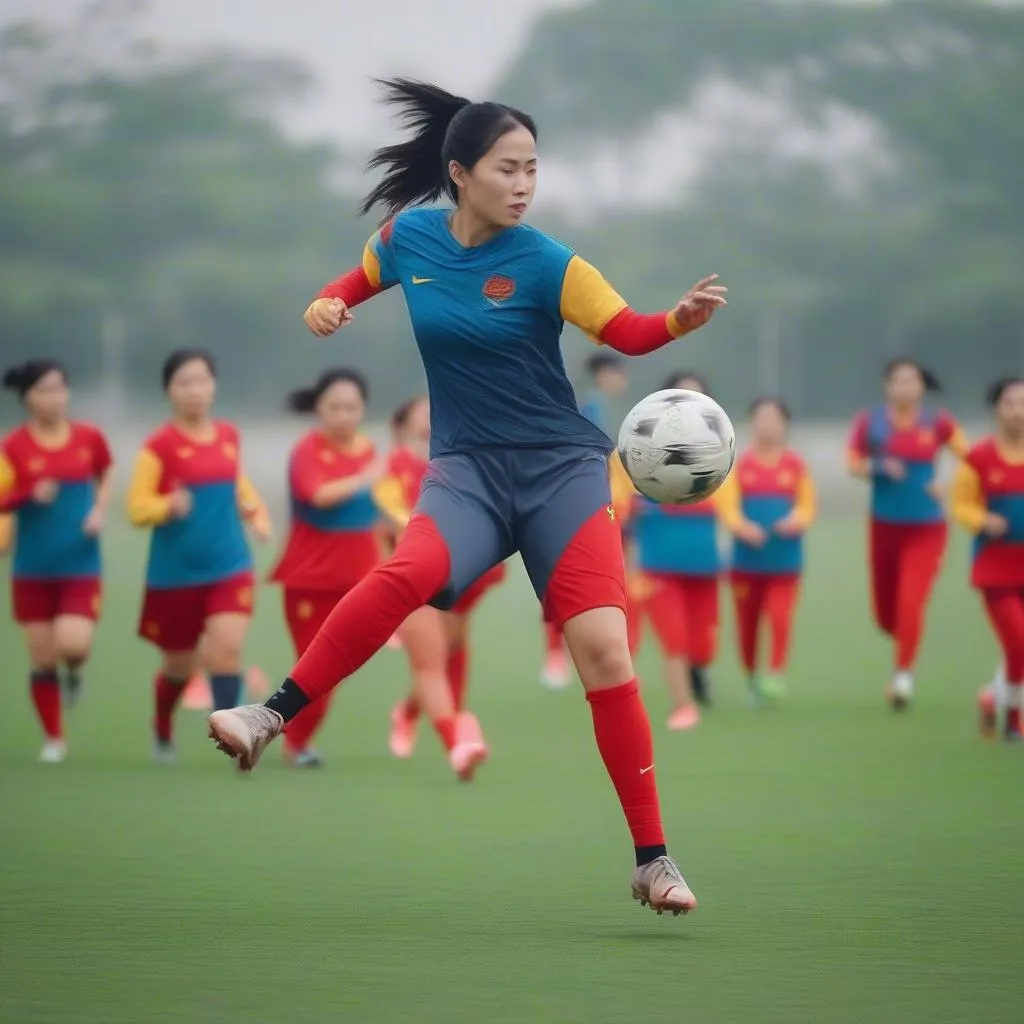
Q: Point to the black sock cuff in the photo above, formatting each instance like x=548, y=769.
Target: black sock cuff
x=645, y=854
x=44, y=676
x=288, y=701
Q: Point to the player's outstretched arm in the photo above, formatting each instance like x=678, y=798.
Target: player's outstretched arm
x=590, y=302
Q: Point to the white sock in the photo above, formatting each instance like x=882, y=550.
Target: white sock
x=903, y=685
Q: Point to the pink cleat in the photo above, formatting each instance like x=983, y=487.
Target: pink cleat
x=555, y=674
x=470, y=750
x=686, y=717
x=244, y=733
x=402, y=740
x=661, y=886
x=197, y=696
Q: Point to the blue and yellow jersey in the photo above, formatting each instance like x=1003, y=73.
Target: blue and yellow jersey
x=990, y=480
x=488, y=321
x=916, y=444
x=766, y=493
x=209, y=543
x=677, y=539
x=50, y=541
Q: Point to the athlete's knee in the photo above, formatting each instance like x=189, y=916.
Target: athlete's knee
x=421, y=564
x=599, y=644
x=73, y=639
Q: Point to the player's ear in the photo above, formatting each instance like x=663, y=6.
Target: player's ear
x=457, y=173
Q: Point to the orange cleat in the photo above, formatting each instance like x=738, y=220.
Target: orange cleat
x=197, y=696
x=402, y=739
x=686, y=717
x=470, y=750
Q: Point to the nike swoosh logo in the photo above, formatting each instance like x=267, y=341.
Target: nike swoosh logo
x=649, y=768
x=421, y=280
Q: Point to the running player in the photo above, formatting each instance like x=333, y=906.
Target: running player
x=515, y=465
x=895, y=446
x=333, y=541
x=435, y=642
x=988, y=499
x=189, y=488
x=54, y=488
x=767, y=503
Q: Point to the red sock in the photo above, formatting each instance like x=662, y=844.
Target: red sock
x=299, y=732
x=445, y=728
x=166, y=694
x=45, y=689
x=553, y=638
x=412, y=707
x=1013, y=719
x=457, y=675
x=623, y=735
x=364, y=619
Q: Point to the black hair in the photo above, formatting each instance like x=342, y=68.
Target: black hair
x=928, y=379
x=179, y=357
x=995, y=391
x=774, y=400
x=600, y=361
x=305, y=399
x=672, y=381
x=401, y=415
x=26, y=376
x=444, y=128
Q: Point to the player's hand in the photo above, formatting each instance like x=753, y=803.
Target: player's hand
x=788, y=526
x=695, y=308
x=995, y=525
x=179, y=504
x=325, y=316
x=45, y=491
x=894, y=469
x=934, y=488
x=375, y=472
x=752, y=534
x=261, y=528
x=93, y=525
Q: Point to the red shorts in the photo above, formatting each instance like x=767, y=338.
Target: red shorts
x=472, y=597
x=174, y=619
x=305, y=611
x=684, y=613
x=45, y=600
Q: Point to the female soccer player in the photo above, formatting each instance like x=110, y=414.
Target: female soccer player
x=988, y=499
x=54, y=488
x=189, y=488
x=333, y=541
x=767, y=503
x=895, y=446
x=515, y=465
x=435, y=642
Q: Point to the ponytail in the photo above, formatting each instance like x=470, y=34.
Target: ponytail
x=304, y=400
x=930, y=381
x=26, y=376
x=995, y=391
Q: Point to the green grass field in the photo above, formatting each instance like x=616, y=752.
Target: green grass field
x=852, y=866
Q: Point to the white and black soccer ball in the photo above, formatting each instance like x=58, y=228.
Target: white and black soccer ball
x=677, y=446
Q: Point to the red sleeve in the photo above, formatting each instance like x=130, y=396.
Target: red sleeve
x=945, y=427
x=307, y=474
x=352, y=288
x=636, y=334
x=859, y=435
x=101, y=457
x=21, y=490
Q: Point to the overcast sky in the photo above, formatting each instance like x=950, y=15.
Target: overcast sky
x=462, y=44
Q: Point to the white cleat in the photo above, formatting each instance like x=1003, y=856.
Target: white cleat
x=244, y=733
x=661, y=886
x=555, y=674
x=901, y=690
x=164, y=752
x=53, y=752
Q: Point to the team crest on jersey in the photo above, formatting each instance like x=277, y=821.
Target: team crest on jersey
x=996, y=477
x=244, y=597
x=185, y=453
x=785, y=478
x=326, y=456
x=926, y=435
x=305, y=610
x=749, y=479
x=84, y=454
x=611, y=513
x=151, y=629
x=36, y=464
x=230, y=449
x=499, y=289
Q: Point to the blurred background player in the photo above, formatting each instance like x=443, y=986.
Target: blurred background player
x=895, y=446
x=189, y=488
x=435, y=642
x=767, y=503
x=676, y=550
x=988, y=499
x=607, y=381
x=54, y=488
x=333, y=540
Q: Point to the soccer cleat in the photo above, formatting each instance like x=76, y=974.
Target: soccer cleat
x=53, y=752
x=244, y=733
x=660, y=885
x=988, y=713
x=686, y=717
x=164, y=752
x=900, y=691
x=754, y=691
x=257, y=686
x=197, y=696
x=306, y=759
x=773, y=686
x=555, y=673
x=470, y=750
x=74, y=686
x=402, y=739
x=700, y=684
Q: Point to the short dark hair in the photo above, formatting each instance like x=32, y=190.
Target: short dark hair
x=444, y=128
x=601, y=361
x=24, y=377
x=401, y=415
x=672, y=381
x=304, y=399
x=928, y=379
x=179, y=357
x=995, y=391
x=774, y=400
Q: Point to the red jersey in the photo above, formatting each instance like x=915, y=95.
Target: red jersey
x=328, y=548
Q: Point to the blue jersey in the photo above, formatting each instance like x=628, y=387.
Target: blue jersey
x=487, y=321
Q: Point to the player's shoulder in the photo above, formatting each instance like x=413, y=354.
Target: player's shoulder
x=15, y=440
x=226, y=431
x=160, y=440
x=309, y=442
x=794, y=461
x=363, y=447
x=983, y=452
x=530, y=239
x=863, y=416
x=84, y=430
x=420, y=221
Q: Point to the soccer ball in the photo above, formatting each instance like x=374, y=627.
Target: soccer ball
x=677, y=446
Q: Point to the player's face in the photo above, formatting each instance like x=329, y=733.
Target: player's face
x=417, y=425
x=1010, y=410
x=904, y=386
x=340, y=409
x=689, y=384
x=500, y=188
x=47, y=399
x=768, y=425
x=192, y=389
x=613, y=382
